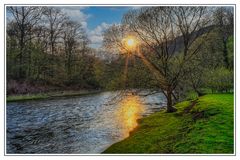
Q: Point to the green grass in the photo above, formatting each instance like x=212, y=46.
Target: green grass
x=25, y=97
x=191, y=95
x=207, y=128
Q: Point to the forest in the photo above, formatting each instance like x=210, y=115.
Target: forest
x=177, y=50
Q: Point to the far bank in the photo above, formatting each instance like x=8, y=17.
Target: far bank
x=50, y=95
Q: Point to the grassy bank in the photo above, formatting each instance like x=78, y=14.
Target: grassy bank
x=50, y=95
x=201, y=126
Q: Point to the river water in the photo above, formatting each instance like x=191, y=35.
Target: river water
x=79, y=125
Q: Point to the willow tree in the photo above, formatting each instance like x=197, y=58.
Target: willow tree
x=165, y=37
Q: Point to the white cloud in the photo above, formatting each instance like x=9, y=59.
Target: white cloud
x=96, y=35
x=76, y=14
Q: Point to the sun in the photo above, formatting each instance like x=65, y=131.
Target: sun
x=130, y=42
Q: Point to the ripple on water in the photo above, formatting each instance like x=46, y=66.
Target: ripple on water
x=75, y=125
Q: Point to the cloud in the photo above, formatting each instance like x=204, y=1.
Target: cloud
x=76, y=14
x=96, y=35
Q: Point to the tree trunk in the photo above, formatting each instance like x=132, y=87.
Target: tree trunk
x=170, y=108
x=69, y=66
x=21, y=56
x=199, y=93
x=225, y=52
x=30, y=58
x=20, y=63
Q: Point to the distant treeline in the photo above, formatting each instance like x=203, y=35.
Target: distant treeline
x=46, y=50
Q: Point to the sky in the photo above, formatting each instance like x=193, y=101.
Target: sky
x=96, y=19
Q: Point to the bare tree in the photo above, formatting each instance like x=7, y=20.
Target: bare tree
x=73, y=36
x=161, y=33
x=26, y=18
x=113, y=39
x=54, y=21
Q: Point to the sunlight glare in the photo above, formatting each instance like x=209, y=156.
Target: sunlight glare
x=130, y=110
x=130, y=42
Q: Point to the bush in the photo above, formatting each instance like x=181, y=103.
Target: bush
x=220, y=79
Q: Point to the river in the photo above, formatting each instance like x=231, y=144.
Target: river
x=77, y=125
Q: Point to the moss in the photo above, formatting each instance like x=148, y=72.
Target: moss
x=180, y=133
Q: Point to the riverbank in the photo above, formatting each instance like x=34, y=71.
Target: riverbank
x=203, y=126
x=50, y=95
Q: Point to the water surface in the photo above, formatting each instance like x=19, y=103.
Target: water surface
x=76, y=125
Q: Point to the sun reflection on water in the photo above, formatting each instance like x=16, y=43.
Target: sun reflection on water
x=130, y=109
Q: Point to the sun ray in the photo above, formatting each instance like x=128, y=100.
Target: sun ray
x=156, y=72
x=125, y=73
x=131, y=45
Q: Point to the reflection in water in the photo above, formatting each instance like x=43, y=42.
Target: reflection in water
x=130, y=109
x=75, y=125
